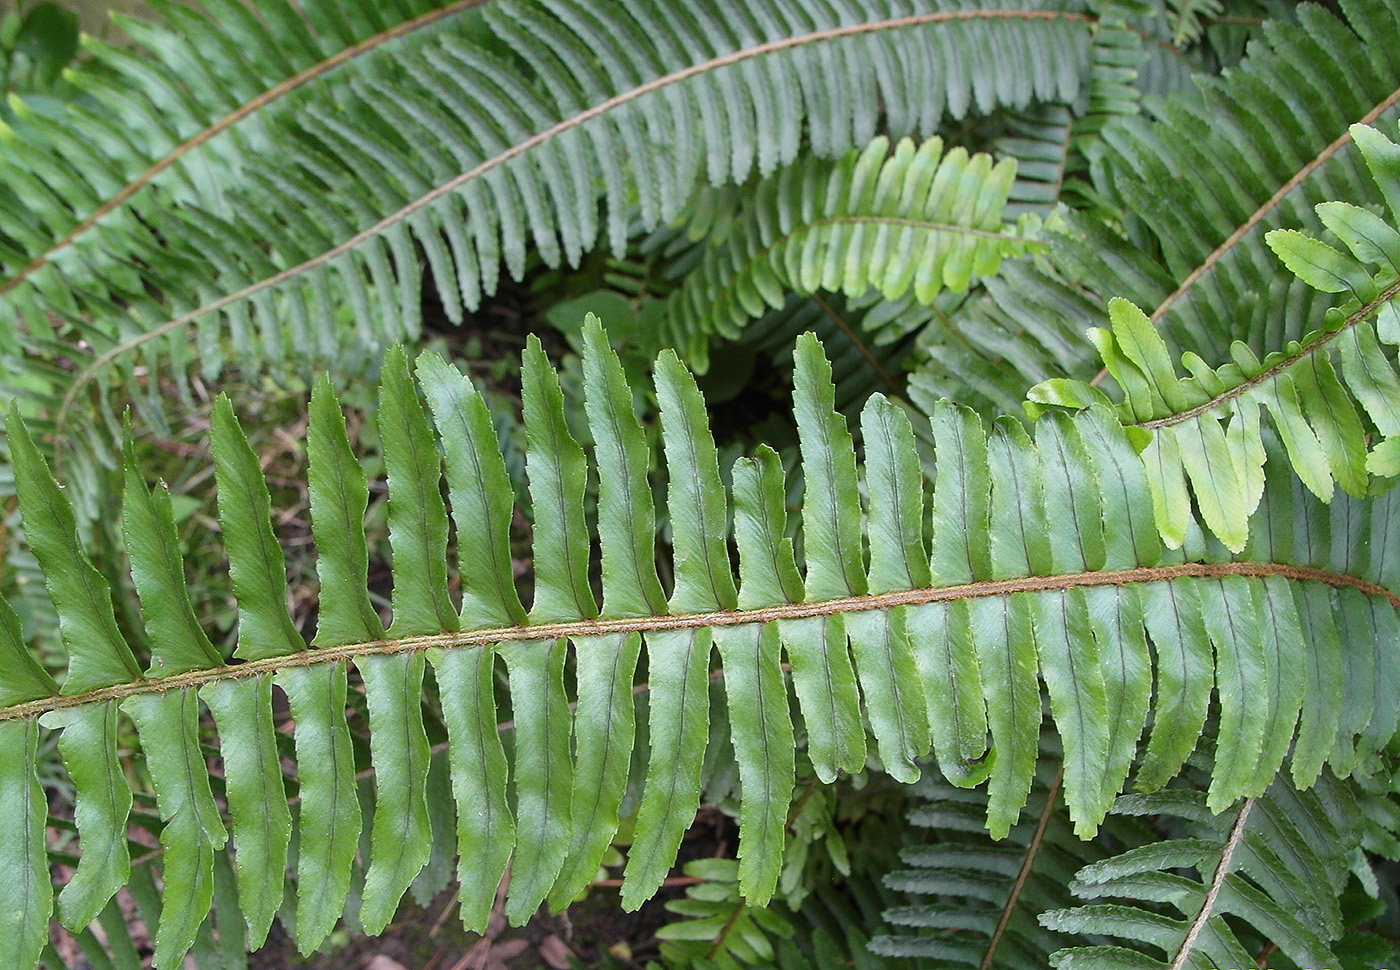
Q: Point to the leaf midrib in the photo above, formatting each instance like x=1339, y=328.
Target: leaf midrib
x=682, y=621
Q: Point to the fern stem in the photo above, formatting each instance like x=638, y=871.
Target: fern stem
x=870, y=359
x=684, y=621
x=1233, y=239
x=534, y=141
x=1341, y=140
x=1032, y=850
x=1222, y=869
x=1357, y=316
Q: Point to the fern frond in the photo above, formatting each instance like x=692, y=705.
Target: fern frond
x=1195, y=188
x=1186, y=16
x=973, y=902
x=1044, y=564
x=1315, y=391
x=721, y=929
x=1250, y=865
x=443, y=144
x=156, y=122
x=832, y=226
x=803, y=229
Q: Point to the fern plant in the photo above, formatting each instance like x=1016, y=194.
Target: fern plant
x=1167, y=564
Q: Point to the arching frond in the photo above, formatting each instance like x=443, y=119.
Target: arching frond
x=1198, y=185
x=971, y=901
x=985, y=348
x=1044, y=563
x=161, y=122
x=477, y=151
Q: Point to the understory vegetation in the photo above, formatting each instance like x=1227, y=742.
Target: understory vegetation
x=867, y=483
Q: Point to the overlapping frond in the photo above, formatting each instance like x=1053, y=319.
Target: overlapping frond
x=1275, y=865
x=1324, y=394
x=971, y=901
x=1198, y=184
x=984, y=349
x=154, y=125
x=1044, y=563
x=476, y=152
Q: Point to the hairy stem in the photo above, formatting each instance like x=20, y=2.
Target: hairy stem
x=583, y=628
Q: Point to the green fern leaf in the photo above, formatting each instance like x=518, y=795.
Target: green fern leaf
x=88, y=745
x=558, y=475
x=479, y=490
x=831, y=543
x=257, y=565
x=339, y=497
x=1278, y=902
x=543, y=772
x=1032, y=576
x=401, y=834
x=26, y=898
x=82, y=597
x=168, y=725
x=257, y=797
x=1006, y=654
x=21, y=677
x=417, y=514
x=764, y=748
x=328, y=815
x=485, y=827
x=178, y=643
x=1174, y=620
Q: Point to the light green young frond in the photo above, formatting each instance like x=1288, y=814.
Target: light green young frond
x=1190, y=190
x=1329, y=397
x=909, y=220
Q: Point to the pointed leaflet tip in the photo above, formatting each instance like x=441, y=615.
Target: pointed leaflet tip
x=339, y=497
x=698, y=506
x=479, y=489
x=98, y=653
x=178, y=643
x=832, y=515
x=558, y=479
x=626, y=511
x=257, y=565
x=1140, y=342
x=418, y=526
x=21, y=677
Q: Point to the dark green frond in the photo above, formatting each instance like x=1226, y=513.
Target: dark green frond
x=475, y=151
x=1186, y=194
x=1272, y=865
